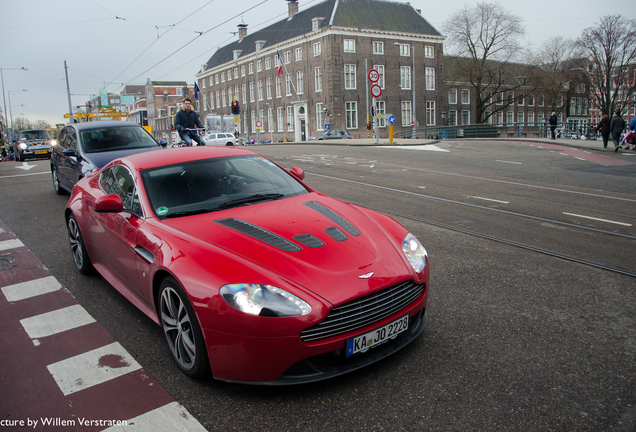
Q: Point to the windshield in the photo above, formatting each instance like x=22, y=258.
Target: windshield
x=116, y=138
x=216, y=184
x=34, y=135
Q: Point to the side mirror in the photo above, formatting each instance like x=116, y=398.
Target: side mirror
x=299, y=173
x=163, y=143
x=68, y=152
x=109, y=204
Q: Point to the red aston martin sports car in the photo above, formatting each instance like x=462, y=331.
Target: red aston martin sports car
x=253, y=275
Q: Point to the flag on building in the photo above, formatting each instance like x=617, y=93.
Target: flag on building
x=280, y=64
x=196, y=91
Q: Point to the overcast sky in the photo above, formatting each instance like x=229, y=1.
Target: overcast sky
x=114, y=42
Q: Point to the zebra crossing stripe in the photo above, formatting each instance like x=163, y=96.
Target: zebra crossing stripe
x=57, y=321
x=25, y=290
x=93, y=367
x=168, y=418
x=10, y=244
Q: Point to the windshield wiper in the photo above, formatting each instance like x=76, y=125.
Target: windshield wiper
x=190, y=212
x=250, y=199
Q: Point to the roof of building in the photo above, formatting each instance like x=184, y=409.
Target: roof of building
x=382, y=15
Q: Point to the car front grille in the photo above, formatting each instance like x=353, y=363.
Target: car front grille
x=364, y=311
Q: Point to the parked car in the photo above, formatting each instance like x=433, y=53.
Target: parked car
x=252, y=274
x=332, y=134
x=84, y=147
x=33, y=143
x=220, y=139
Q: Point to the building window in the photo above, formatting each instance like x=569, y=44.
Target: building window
x=259, y=66
x=250, y=68
x=511, y=97
x=236, y=54
x=531, y=117
x=429, y=52
x=229, y=96
x=222, y=77
x=540, y=100
x=380, y=69
x=229, y=75
x=260, y=90
x=244, y=93
x=216, y=78
x=270, y=119
x=252, y=98
x=211, y=81
x=380, y=109
x=430, y=78
x=521, y=100
x=465, y=96
x=520, y=117
x=351, y=109
x=290, y=119
x=288, y=84
x=430, y=113
x=211, y=100
x=349, y=45
x=350, y=77
x=452, y=96
x=318, y=78
x=223, y=100
x=218, y=99
x=405, y=50
x=452, y=118
x=499, y=98
x=268, y=88
x=510, y=117
x=299, y=54
x=530, y=101
x=268, y=63
x=317, y=49
x=465, y=117
x=279, y=92
x=287, y=57
x=406, y=113
x=243, y=70
x=300, y=82
x=320, y=121
x=253, y=121
x=405, y=77
x=500, y=118
x=280, y=119
x=378, y=48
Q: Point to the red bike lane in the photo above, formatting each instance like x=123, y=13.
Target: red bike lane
x=60, y=370
x=581, y=154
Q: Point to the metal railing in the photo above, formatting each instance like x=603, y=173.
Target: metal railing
x=505, y=130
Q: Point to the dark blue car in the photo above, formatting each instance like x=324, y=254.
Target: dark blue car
x=84, y=147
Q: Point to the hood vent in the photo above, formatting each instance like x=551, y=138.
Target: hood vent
x=336, y=234
x=334, y=217
x=309, y=240
x=259, y=234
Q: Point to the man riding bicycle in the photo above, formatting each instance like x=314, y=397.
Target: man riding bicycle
x=185, y=121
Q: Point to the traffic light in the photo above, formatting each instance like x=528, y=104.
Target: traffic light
x=236, y=109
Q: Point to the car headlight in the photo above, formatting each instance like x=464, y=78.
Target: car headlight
x=22, y=146
x=415, y=253
x=53, y=142
x=264, y=300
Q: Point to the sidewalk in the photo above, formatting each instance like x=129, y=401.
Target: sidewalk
x=60, y=369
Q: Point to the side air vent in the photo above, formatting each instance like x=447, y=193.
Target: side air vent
x=348, y=227
x=309, y=240
x=260, y=234
x=336, y=234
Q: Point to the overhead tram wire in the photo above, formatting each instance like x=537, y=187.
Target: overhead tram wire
x=172, y=26
x=197, y=37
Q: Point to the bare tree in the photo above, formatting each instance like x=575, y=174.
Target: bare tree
x=41, y=124
x=558, y=71
x=483, y=42
x=611, y=50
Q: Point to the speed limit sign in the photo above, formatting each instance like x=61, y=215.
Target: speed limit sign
x=374, y=75
x=376, y=90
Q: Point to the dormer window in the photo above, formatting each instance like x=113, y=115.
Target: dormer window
x=315, y=23
x=260, y=44
x=237, y=54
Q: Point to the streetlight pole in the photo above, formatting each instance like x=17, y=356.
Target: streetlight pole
x=10, y=111
x=6, y=123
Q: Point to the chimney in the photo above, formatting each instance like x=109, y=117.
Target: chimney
x=292, y=7
x=242, y=31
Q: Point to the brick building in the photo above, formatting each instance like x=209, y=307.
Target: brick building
x=325, y=54
x=163, y=100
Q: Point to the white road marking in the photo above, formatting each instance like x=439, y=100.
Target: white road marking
x=493, y=200
x=428, y=147
x=597, y=219
x=25, y=290
x=10, y=244
x=57, y=321
x=516, y=163
x=91, y=368
x=168, y=418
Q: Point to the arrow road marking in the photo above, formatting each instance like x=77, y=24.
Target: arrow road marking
x=25, y=166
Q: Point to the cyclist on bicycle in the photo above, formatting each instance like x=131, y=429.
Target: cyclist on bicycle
x=186, y=120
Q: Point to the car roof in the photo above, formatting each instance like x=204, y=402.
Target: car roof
x=177, y=155
x=103, y=124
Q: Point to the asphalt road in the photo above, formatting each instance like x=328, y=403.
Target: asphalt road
x=533, y=287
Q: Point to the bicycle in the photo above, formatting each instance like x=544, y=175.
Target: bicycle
x=199, y=132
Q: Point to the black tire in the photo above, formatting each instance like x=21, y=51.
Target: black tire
x=229, y=143
x=56, y=182
x=78, y=248
x=18, y=156
x=182, y=330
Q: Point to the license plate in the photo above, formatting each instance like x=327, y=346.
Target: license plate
x=41, y=152
x=378, y=336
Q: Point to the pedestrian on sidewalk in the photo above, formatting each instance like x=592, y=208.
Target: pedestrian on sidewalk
x=616, y=127
x=553, y=123
x=604, y=128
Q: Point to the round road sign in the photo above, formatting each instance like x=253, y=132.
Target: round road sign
x=174, y=136
x=376, y=91
x=259, y=124
x=391, y=119
x=374, y=75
